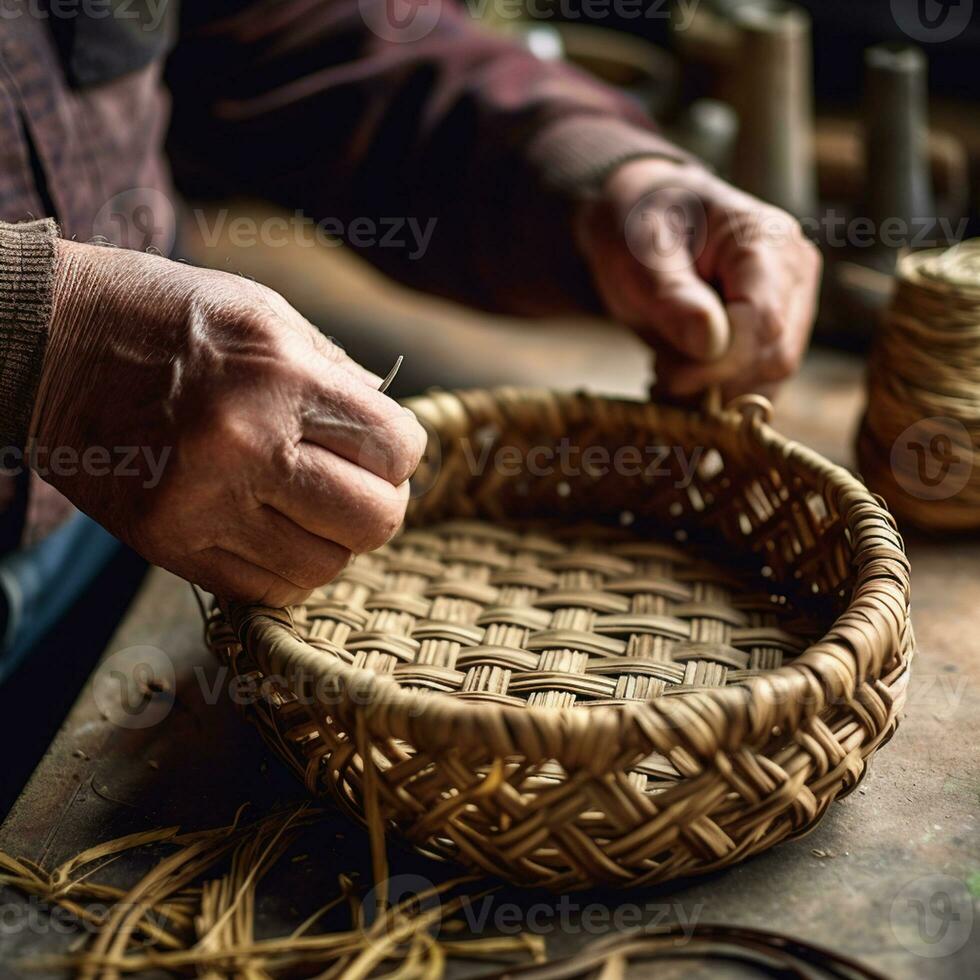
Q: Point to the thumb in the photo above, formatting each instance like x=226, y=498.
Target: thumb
x=672, y=303
x=686, y=313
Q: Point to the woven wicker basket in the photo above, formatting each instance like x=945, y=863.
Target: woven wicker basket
x=582, y=673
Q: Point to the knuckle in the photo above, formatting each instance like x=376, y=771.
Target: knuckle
x=231, y=305
x=812, y=256
x=412, y=445
x=327, y=347
x=227, y=437
x=284, y=463
x=269, y=307
x=771, y=229
x=781, y=221
x=771, y=322
x=783, y=363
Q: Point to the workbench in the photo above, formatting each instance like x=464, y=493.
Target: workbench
x=891, y=876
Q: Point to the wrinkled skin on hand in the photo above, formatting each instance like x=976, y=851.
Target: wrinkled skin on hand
x=721, y=285
x=281, y=457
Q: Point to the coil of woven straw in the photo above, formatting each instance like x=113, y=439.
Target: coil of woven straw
x=919, y=442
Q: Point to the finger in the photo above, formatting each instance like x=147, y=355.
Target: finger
x=770, y=301
x=230, y=576
x=682, y=377
x=777, y=277
x=272, y=541
x=335, y=499
x=774, y=301
x=805, y=296
x=365, y=427
x=670, y=300
x=684, y=383
x=681, y=309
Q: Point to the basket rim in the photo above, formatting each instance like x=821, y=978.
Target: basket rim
x=704, y=722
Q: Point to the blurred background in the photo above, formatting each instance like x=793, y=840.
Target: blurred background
x=858, y=117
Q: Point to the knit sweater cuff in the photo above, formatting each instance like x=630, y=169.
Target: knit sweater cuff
x=579, y=152
x=27, y=259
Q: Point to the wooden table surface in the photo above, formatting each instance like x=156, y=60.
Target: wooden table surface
x=891, y=876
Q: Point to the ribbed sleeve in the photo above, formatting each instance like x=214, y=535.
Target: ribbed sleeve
x=581, y=150
x=27, y=258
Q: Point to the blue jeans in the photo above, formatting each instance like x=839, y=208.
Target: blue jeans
x=40, y=584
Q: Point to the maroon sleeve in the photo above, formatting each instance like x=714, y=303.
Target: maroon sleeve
x=324, y=106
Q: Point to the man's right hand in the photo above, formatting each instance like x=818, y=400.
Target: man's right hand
x=281, y=458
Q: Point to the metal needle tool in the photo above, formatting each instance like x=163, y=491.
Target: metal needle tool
x=391, y=374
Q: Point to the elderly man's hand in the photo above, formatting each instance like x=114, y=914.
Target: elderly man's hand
x=721, y=285
x=259, y=457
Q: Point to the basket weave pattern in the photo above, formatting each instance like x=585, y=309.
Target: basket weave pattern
x=548, y=678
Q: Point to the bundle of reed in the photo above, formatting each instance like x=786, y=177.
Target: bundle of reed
x=194, y=913
x=919, y=439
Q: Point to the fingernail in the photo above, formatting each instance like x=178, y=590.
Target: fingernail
x=704, y=336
